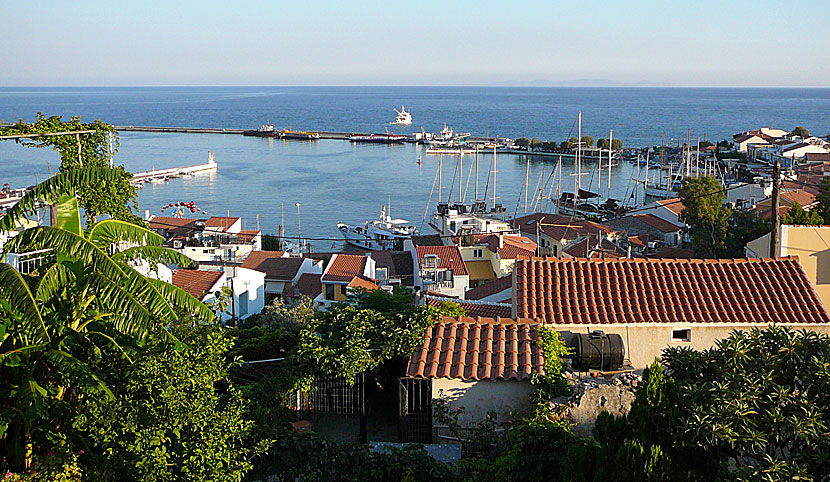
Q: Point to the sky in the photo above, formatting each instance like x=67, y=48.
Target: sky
x=451, y=42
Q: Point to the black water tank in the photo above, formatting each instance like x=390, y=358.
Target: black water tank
x=597, y=351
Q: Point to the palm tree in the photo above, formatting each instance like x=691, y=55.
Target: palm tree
x=84, y=296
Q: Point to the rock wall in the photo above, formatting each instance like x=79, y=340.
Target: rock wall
x=591, y=396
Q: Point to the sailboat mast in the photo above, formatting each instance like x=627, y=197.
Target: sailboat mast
x=460, y=175
x=527, y=182
x=440, y=178
x=476, y=196
x=577, y=184
x=495, y=170
x=610, y=157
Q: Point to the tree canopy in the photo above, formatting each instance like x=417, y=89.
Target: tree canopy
x=705, y=214
x=800, y=132
x=796, y=215
x=116, y=196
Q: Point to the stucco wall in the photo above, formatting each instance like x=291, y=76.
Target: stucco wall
x=479, y=397
x=645, y=342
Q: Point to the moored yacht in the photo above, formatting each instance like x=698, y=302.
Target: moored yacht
x=378, y=234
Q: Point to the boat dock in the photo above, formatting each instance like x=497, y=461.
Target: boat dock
x=157, y=175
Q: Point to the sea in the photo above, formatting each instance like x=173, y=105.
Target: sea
x=264, y=180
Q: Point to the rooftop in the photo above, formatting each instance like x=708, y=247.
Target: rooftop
x=475, y=308
x=308, y=285
x=273, y=264
x=478, y=349
x=665, y=291
x=589, y=248
x=196, y=282
x=490, y=288
x=674, y=205
x=658, y=223
x=558, y=227
x=512, y=246
x=449, y=257
x=221, y=222
x=344, y=267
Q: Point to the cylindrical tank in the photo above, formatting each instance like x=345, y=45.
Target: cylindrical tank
x=597, y=351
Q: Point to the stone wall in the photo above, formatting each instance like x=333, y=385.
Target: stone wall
x=591, y=396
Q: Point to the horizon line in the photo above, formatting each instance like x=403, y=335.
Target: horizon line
x=493, y=86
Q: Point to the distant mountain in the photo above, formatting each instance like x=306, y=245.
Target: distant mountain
x=578, y=83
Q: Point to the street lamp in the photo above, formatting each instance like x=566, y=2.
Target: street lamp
x=299, y=226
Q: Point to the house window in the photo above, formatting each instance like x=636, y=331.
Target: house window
x=343, y=290
x=681, y=335
x=329, y=292
x=476, y=253
x=554, y=250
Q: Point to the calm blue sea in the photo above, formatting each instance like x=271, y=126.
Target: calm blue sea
x=337, y=181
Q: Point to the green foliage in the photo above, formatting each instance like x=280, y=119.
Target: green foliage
x=705, y=214
x=744, y=226
x=551, y=383
x=617, y=144
x=114, y=197
x=800, y=132
x=310, y=456
x=453, y=310
x=522, y=142
x=587, y=141
x=823, y=199
x=58, y=321
x=798, y=216
x=602, y=143
x=170, y=420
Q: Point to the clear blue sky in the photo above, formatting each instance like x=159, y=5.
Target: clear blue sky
x=415, y=42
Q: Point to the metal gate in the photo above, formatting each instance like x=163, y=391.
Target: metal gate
x=415, y=421
x=336, y=396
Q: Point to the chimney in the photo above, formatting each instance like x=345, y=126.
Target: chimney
x=146, y=214
x=501, y=240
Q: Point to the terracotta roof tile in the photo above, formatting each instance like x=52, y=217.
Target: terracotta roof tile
x=478, y=349
x=490, y=288
x=273, y=264
x=558, y=227
x=674, y=205
x=344, y=267
x=361, y=281
x=588, y=248
x=666, y=290
x=449, y=257
x=248, y=235
x=221, y=222
x=658, y=223
x=487, y=310
x=196, y=282
x=308, y=285
x=512, y=246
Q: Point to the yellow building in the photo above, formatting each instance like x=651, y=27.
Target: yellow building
x=812, y=246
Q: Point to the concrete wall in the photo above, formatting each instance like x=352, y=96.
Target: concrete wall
x=479, y=397
x=645, y=341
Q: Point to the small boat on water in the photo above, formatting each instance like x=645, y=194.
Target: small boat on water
x=378, y=138
x=265, y=130
x=301, y=135
x=377, y=234
x=403, y=118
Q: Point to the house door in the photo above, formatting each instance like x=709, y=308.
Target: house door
x=415, y=421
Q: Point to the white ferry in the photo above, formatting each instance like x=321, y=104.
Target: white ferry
x=403, y=118
x=378, y=234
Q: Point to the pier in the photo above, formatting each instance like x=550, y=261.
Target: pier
x=162, y=174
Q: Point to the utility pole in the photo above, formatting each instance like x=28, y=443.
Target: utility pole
x=299, y=228
x=776, y=222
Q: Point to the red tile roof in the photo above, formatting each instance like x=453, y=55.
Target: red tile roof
x=344, y=267
x=658, y=223
x=800, y=196
x=818, y=156
x=559, y=227
x=478, y=349
x=490, y=288
x=588, y=248
x=512, y=246
x=674, y=205
x=221, y=222
x=449, y=257
x=487, y=310
x=196, y=282
x=169, y=222
x=273, y=264
x=308, y=285
x=663, y=290
x=363, y=282
x=248, y=235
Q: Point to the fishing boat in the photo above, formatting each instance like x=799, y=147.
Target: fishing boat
x=265, y=130
x=378, y=234
x=378, y=138
x=300, y=135
x=403, y=118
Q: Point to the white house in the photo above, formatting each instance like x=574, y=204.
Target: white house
x=247, y=286
x=281, y=270
x=441, y=269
